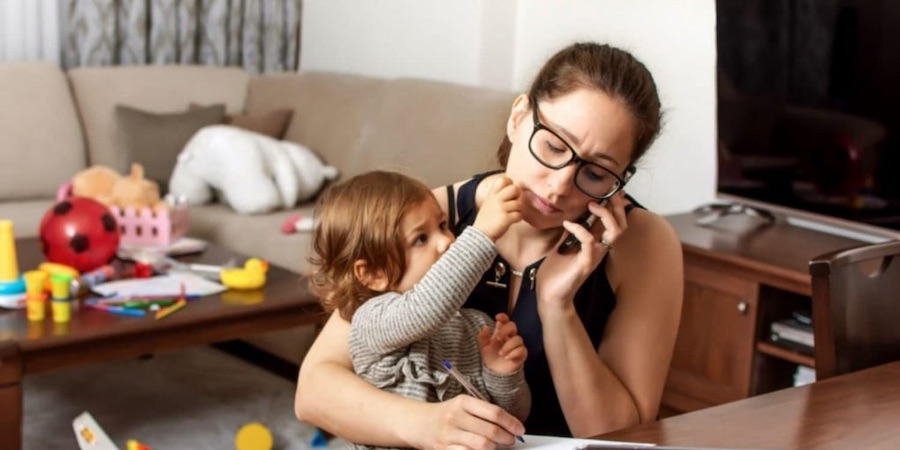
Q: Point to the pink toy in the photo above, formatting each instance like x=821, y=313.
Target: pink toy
x=296, y=223
x=79, y=232
x=145, y=226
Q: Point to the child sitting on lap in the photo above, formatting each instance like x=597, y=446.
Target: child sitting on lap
x=387, y=261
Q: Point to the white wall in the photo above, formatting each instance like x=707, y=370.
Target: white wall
x=501, y=44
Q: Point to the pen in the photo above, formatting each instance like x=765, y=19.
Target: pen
x=468, y=386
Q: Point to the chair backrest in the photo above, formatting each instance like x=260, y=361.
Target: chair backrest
x=856, y=308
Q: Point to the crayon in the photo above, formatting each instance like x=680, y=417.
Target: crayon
x=118, y=310
x=170, y=309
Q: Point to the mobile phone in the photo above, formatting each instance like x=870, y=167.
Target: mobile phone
x=586, y=220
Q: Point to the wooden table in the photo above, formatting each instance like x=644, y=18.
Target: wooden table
x=859, y=411
x=95, y=336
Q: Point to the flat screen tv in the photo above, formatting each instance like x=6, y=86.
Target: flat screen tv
x=809, y=109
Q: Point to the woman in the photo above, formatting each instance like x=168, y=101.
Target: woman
x=599, y=322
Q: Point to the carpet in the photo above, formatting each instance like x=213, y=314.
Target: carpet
x=196, y=398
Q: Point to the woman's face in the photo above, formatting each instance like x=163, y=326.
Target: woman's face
x=597, y=127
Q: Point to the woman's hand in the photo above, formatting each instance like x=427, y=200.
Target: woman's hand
x=467, y=422
x=560, y=275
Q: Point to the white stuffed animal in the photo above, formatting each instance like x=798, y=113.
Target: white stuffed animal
x=253, y=173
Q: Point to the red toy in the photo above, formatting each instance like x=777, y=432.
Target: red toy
x=79, y=232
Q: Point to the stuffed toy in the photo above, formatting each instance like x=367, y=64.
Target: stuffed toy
x=107, y=186
x=250, y=172
x=135, y=191
x=95, y=182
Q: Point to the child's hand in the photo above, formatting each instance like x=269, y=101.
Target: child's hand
x=502, y=351
x=500, y=209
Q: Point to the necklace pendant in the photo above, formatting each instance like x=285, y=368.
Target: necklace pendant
x=499, y=271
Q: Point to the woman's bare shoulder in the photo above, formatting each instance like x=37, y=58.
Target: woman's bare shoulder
x=649, y=244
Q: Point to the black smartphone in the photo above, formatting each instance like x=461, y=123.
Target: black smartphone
x=586, y=220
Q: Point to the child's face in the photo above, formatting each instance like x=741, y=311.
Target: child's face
x=426, y=235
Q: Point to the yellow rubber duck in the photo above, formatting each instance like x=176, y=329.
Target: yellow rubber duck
x=251, y=276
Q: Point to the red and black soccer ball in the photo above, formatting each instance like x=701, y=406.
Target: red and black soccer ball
x=79, y=232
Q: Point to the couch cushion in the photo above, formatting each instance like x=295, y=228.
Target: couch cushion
x=438, y=132
x=330, y=110
x=256, y=235
x=26, y=215
x=272, y=123
x=158, y=89
x=41, y=144
x=156, y=139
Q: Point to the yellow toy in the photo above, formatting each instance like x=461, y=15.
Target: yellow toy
x=52, y=268
x=253, y=436
x=251, y=276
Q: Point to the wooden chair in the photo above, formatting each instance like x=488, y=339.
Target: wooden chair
x=856, y=308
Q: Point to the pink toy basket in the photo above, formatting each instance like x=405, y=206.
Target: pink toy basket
x=144, y=227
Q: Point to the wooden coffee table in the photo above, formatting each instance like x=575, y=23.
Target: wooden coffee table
x=94, y=336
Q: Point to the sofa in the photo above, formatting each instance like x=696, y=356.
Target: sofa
x=54, y=123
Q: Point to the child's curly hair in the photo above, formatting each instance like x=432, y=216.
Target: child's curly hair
x=359, y=219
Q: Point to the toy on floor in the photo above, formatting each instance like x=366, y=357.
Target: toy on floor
x=90, y=435
x=12, y=284
x=251, y=276
x=297, y=223
x=319, y=439
x=253, y=436
x=134, y=444
x=79, y=232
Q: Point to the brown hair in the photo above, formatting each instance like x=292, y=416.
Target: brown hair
x=359, y=219
x=610, y=70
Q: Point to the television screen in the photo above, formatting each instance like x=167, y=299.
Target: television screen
x=809, y=107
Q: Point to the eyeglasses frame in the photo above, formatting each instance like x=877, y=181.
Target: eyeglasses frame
x=579, y=161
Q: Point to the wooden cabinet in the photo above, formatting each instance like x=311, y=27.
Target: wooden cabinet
x=740, y=276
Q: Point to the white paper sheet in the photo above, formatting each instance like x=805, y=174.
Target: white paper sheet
x=561, y=443
x=161, y=285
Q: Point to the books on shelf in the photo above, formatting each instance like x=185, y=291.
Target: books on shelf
x=793, y=334
x=804, y=375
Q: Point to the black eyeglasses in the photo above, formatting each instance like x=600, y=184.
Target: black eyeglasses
x=555, y=153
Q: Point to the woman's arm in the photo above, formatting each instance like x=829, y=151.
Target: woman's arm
x=331, y=396
x=621, y=383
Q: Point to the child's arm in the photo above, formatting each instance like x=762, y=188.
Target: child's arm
x=509, y=392
x=389, y=322
x=503, y=355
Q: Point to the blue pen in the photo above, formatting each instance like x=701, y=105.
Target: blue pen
x=468, y=386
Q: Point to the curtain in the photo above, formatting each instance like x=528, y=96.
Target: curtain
x=258, y=35
x=29, y=30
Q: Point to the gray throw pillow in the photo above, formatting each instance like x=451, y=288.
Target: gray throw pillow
x=155, y=139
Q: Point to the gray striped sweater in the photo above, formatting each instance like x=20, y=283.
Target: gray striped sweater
x=398, y=341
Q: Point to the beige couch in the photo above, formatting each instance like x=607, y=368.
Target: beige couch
x=55, y=123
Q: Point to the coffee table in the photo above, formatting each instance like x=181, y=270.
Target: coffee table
x=94, y=336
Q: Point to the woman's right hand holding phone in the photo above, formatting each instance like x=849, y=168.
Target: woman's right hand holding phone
x=560, y=275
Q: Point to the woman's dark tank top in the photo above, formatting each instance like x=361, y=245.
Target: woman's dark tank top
x=594, y=302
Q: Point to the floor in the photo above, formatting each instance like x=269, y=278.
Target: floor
x=188, y=399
